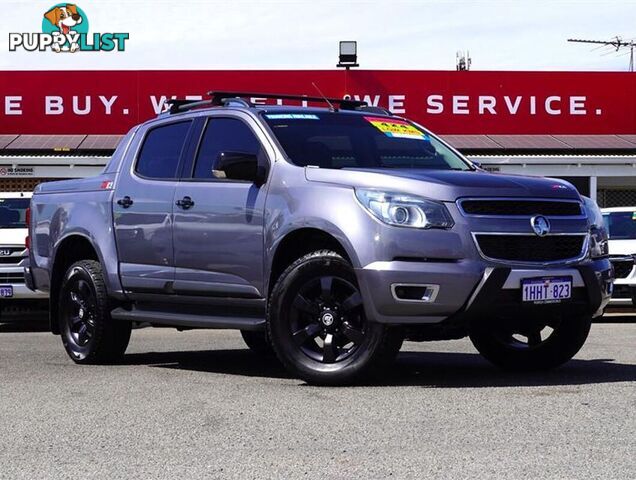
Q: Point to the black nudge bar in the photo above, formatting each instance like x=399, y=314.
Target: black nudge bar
x=223, y=98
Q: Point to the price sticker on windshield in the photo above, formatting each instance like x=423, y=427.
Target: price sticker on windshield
x=396, y=128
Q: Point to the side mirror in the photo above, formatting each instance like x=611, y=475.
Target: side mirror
x=239, y=166
x=476, y=163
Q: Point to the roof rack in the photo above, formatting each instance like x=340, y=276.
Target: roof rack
x=225, y=98
x=219, y=98
x=372, y=109
x=179, y=106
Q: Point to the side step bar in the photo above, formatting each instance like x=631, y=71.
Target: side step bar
x=188, y=319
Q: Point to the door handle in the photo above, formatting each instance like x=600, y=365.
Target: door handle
x=125, y=202
x=185, y=203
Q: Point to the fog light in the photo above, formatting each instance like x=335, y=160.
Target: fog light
x=405, y=292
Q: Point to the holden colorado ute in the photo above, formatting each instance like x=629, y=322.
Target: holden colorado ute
x=329, y=235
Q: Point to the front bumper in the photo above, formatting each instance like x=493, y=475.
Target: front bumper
x=24, y=300
x=624, y=289
x=470, y=289
x=21, y=290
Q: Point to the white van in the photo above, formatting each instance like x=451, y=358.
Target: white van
x=620, y=223
x=15, y=297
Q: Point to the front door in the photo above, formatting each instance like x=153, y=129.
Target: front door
x=142, y=210
x=218, y=229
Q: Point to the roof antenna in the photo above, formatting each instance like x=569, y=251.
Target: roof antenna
x=324, y=98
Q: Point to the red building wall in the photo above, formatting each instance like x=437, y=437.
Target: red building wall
x=107, y=102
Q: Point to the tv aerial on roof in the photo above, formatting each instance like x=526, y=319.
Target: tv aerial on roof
x=617, y=44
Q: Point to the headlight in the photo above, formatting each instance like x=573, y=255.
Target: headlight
x=599, y=247
x=405, y=210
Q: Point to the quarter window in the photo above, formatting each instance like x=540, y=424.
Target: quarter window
x=223, y=135
x=160, y=153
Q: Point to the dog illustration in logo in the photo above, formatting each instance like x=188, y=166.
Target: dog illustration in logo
x=65, y=18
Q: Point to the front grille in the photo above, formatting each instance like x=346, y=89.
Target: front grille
x=622, y=291
x=11, y=255
x=530, y=248
x=11, y=260
x=622, y=266
x=521, y=207
x=12, y=277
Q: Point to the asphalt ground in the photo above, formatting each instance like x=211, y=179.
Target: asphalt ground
x=198, y=405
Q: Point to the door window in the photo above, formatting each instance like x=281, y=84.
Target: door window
x=161, y=151
x=224, y=135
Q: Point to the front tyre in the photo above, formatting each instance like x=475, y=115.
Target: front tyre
x=317, y=325
x=541, y=344
x=88, y=333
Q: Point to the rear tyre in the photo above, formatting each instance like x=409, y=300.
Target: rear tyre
x=539, y=345
x=258, y=342
x=317, y=325
x=88, y=333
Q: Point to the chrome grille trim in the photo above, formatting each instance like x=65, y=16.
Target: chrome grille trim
x=583, y=254
x=459, y=202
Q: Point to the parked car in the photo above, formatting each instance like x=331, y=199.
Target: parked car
x=15, y=297
x=620, y=223
x=329, y=235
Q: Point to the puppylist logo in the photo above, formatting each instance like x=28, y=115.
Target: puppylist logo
x=65, y=29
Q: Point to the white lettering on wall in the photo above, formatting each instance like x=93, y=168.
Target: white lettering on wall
x=435, y=105
x=577, y=105
x=81, y=111
x=108, y=103
x=396, y=103
x=53, y=105
x=551, y=100
x=487, y=103
x=157, y=105
x=460, y=104
x=367, y=98
x=533, y=105
x=13, y=105
x=512, y=107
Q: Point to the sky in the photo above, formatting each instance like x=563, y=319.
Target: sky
x=302, y=34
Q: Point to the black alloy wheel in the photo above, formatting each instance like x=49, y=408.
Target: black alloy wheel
x=531, y=344
x=326, y=319
x=80, y=312
x=88, y=333
x=526, y=336
x=317, y=324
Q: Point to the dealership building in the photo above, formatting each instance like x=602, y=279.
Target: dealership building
x=580, y=126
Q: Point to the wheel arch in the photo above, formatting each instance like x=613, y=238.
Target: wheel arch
x=300, y=241
x=70, y=249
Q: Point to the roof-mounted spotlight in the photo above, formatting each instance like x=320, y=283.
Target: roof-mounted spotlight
x=348, y=55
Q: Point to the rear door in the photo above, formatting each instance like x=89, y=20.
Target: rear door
x=142, y=209
x=218, y=239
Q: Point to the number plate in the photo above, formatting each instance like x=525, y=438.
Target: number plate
x=6, y=291
x=546, y=290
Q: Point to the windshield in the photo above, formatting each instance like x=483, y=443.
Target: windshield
x=620, y=225
x=13, y=212
x=334, y=140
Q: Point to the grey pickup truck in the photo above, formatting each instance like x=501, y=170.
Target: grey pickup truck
x=326, y=235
